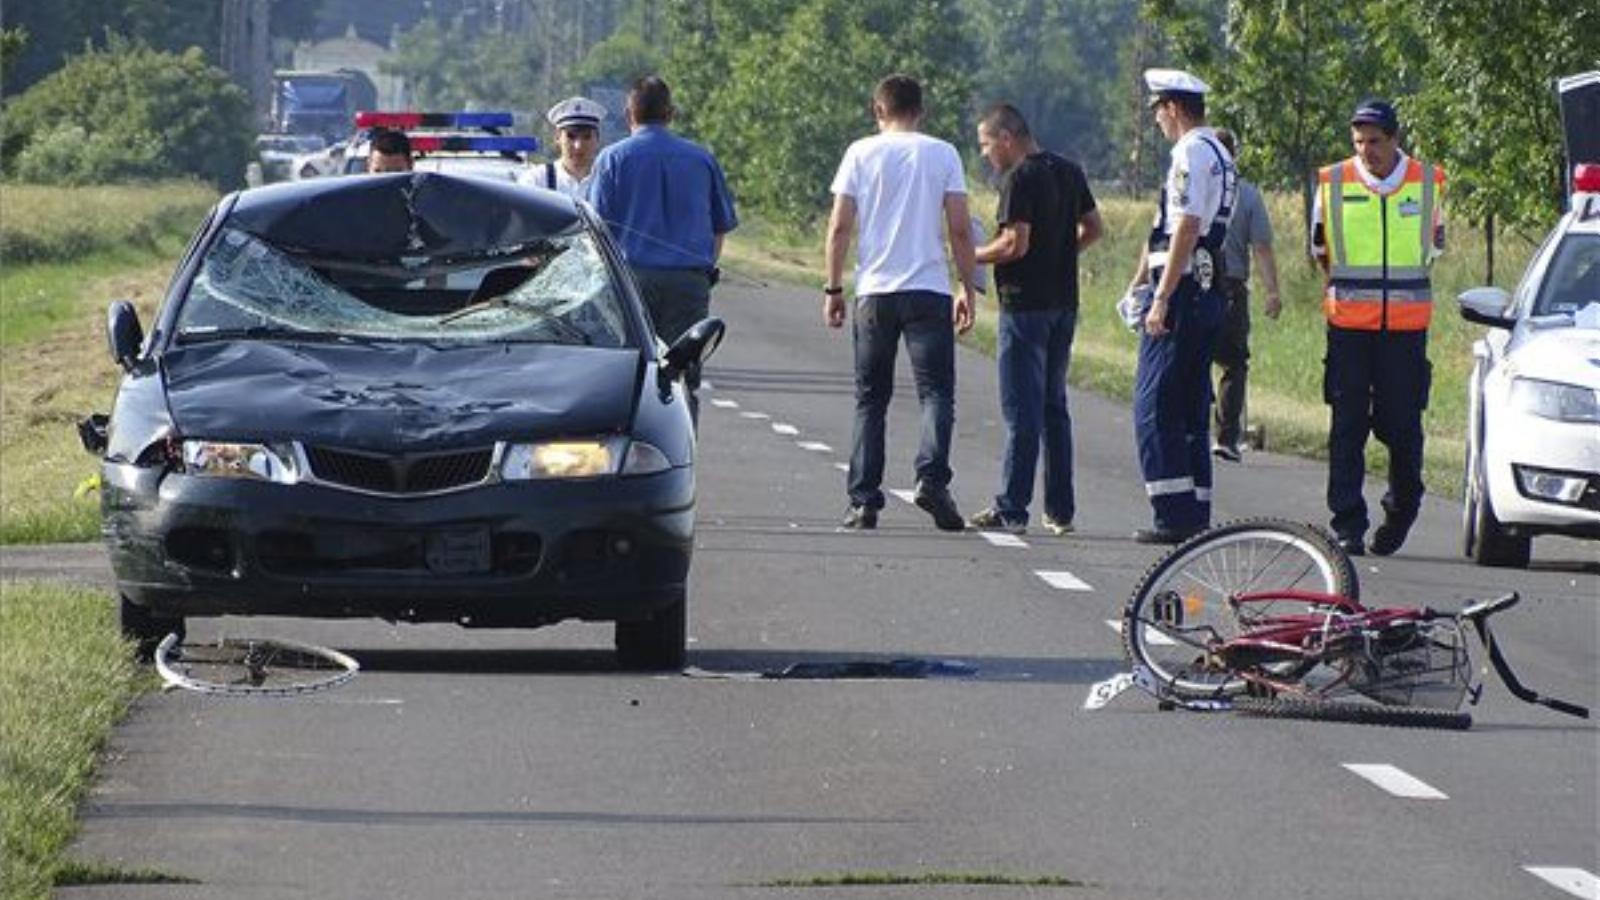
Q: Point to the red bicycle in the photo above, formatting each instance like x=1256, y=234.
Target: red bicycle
x=1261, y=616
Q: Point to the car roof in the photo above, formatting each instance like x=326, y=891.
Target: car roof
x=379, y=217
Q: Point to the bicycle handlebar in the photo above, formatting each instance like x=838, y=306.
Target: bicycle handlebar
x=1483, y=609
x=1478, y=614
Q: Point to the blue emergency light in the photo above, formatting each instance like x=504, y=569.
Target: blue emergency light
x=403, y=120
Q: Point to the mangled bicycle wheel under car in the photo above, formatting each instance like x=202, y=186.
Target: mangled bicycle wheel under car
x=1261, y=617
x=266, y=667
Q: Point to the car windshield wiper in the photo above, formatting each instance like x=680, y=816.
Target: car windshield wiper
x=499, y=302
x=268, y=332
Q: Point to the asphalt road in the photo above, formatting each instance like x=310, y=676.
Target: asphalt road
x=496, y=764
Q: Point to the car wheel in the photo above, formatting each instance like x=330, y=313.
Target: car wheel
x=1489, y=543
x=658, y=643
x=146, y=628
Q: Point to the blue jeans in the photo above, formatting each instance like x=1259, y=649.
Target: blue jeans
x=926, y=321
x=1034, y=348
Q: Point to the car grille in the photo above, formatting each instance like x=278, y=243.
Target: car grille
x=416, y=473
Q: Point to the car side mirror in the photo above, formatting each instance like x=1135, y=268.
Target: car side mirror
x=692, y=348
x=1487, y=306
x=124, y=333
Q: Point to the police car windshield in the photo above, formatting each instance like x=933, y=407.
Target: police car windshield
x=1572, y=280
x=556, y=290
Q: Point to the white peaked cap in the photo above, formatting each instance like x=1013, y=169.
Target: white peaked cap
x=576, y=111
x=1160, y=81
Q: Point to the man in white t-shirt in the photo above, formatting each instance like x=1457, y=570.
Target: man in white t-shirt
x=577, y=124
x=908, y=192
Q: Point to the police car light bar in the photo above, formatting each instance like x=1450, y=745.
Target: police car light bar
x=370, y=119
x=1586, y=178
x=511, y=143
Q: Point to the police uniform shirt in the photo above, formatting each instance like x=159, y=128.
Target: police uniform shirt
x=1386, y=185
x=539, y=177
x=1195, y=179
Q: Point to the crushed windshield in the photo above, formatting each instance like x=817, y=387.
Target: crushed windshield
x=555, y=290
x=1572, y=281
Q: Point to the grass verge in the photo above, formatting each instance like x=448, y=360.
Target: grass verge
x=1286, y=354
x=48, y=223
x=66, y=677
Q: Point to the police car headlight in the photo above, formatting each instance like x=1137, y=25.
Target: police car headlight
x=561, y=459
x=275, y=463
x=1554, y=400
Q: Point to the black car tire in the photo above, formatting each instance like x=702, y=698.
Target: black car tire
x=1488, y=542
x=145, y=628
x=656, y=644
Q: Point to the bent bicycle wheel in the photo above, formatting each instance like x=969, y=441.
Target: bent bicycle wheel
x=1181, y=605
x=252, y=666
x=1359, y=713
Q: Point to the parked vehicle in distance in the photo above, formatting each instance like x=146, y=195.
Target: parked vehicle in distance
x=1533, y=428
x=413, y=396
x=278, y=152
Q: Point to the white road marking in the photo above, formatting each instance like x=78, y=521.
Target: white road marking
x=1396, y=782
x=706, y=385
x=1577, y=882
x=1151, y=636
x=725, y=404
x=1002, y=539
x=785, y=428
x=1063, y=581
x=814, y=446
x=843, y=467
x=754, y=415
x=908, y=496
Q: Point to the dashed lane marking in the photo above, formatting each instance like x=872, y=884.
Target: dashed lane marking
x=814, y=446
x=725, y=404
x=706, y=385
x=1396, y=782
x=1151, y=636
x=785, y=428
x=908, y=496
x=1001, y=539
x=1577, y=882
x=754, y=415
x=843, y=467
x=1063, y=581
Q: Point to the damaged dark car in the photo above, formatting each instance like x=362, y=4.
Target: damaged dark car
x=414, y=397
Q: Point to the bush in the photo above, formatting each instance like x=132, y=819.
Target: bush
x=129, y=113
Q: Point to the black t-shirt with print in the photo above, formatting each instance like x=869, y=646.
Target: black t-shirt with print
x=1050, y=193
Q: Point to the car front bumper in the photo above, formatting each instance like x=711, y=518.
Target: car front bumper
x=505, y=554
x=1517, y=444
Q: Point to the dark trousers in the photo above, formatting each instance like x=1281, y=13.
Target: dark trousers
x=677, y=299
x=925, y=320
x=1034, y=349
x=1172, y=407
x=1375, y=382
x=1232, y=355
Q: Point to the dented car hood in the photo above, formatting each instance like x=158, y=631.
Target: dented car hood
x=388, y=396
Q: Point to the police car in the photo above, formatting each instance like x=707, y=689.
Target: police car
x=461, y=143
x=1533, y=437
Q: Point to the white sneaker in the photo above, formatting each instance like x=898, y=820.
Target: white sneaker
x=1055, y=526
x=1228, y=452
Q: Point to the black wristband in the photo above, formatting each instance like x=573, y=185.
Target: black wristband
x=833, y=291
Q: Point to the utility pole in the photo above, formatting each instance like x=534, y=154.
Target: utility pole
x=246, y=50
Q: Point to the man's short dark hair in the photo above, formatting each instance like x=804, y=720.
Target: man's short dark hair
x=391, y=143
x=898, y=96
x=1228, y=141
x=651, y=100
x=1192, y=104
x=1007, y=118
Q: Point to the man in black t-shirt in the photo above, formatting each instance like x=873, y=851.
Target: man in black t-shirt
x=1045, y=217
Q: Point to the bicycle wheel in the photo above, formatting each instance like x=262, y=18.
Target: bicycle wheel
x=244, y=666
x=1359, y=713
x=1180, y=606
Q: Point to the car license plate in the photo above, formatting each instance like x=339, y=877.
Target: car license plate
x=463, y=552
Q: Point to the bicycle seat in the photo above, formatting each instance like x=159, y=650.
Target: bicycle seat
x=1485, y=608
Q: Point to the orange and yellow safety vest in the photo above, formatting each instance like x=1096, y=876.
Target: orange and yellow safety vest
x=1379, y=247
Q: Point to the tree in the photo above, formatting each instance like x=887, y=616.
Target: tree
x=450, y=67
x=60, y=28
x=130, y=112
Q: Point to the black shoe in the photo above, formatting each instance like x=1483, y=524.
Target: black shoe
x=1164, y=535
x=940, y=505
x=860, y=518
x=1352, y=545
x=1390, y=535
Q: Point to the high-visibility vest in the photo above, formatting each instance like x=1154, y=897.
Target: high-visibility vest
x=1379, y=248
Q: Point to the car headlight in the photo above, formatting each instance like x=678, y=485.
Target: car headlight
x=581, y=459
x=226, y=459
x=1554, y=400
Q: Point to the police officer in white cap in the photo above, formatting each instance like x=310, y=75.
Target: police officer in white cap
x=577, y=124
x=1182, y=263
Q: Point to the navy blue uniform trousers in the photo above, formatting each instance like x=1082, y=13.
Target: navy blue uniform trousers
x=1375, y=382
x=1172, y=407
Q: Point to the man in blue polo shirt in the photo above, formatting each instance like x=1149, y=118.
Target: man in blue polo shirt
x=666, y=201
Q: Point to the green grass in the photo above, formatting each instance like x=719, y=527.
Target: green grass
x=66, y=677
x=896, y=879
x=47, y=223
x=1286, y=355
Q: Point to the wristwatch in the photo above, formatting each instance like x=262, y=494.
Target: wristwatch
x=835, y=291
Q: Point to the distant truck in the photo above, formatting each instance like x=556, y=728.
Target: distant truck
x=320, y=103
